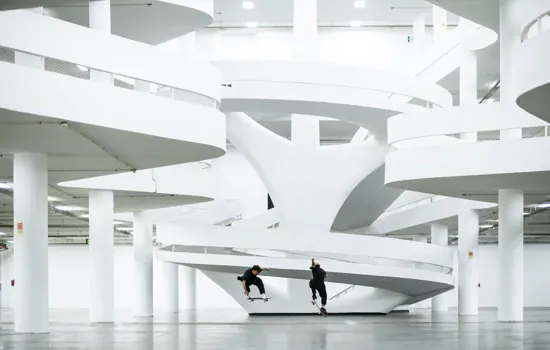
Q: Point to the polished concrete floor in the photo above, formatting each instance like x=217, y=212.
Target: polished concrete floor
x=233, y=329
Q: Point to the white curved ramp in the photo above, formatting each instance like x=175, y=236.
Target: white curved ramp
x=89, y=128
x=401, y=271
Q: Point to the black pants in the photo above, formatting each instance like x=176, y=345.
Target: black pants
x=319, y=287
x=256, y=281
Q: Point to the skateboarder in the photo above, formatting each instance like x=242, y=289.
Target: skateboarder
x=250, y=278
x=317, y=284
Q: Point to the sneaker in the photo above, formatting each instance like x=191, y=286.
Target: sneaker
x=264, y=296
x=323, y=311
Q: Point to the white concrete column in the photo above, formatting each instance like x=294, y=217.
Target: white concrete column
x=468, y=83
x=102, y=279
x=30, y=201
x=100, y=19
x=142, y=86
x=440, y=236
x=305, y=30
x=170, y=286
x=419, y=35
x=510, y=255
x=27, y=59
x=305, y=131
x=440, y=24
x=189, y=287
x=510, y=38
x=468, y=269
x=424, y=304
x=143, y=265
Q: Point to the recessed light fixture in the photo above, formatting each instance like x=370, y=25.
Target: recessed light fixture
x=5, y=185
x=544, y=205
x=85, y=215
x=3, y=234
x=69, y=208
x=82, y=68
x=359, y=4
x=10, y=242
x=251, y=24
x=355, y=24
x=53, y=199
x=118, y=222
x=486, y=226
x=248, y=5
x=125, y=229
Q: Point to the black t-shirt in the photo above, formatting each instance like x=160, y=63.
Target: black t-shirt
x=318, y=274
x=248, y=275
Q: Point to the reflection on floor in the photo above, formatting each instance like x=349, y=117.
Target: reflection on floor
x=233, y=329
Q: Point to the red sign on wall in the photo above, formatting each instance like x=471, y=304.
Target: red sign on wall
x=19, y=226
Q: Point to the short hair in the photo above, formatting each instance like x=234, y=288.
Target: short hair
x=256, y=268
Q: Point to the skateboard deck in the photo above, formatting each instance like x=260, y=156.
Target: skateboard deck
x=318, y=308
x=258, y=298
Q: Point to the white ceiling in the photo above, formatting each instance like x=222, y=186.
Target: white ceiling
x=230, y=13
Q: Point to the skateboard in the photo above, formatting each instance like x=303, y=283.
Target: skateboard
x=254, y=299
x=320, y=312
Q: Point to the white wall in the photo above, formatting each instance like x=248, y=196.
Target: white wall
x=377, y=47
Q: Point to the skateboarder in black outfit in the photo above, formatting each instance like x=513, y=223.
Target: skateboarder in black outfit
x=317, y=284
x=250, y=278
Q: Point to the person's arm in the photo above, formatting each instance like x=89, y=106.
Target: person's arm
x=244, y=287
x=312, y=262
x=265, y=269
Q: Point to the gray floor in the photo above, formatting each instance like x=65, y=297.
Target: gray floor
x=233, y=329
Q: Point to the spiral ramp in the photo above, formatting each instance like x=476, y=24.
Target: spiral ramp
x=366, y=274
x=486, y=166
x=89, y=128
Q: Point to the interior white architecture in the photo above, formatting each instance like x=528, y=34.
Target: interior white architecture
x=151, y=151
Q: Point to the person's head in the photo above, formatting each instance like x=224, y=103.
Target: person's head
x=256, y=270
x=317, y=265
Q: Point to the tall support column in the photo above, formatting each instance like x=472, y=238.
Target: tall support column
x=189, y=287
x=424, y=304
x=510, y=255
x=27, y=59
x=170, y=280
x=305, y=30
x=100, y=19
x=143, y=265
x=419, y=35
x=468, y=270
x=30, y=200
x=440, y=24
x=305, y=131
x=102, y=277
x=440, y=236
x=510, y=38
x=468, y=76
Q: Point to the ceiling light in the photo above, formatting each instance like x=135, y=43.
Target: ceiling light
x=69, y=208
x=486, y=226
x=85, y=215
x=359, y=4
x=248, y=5
x=118, y=222
x=82, y=68
x=544, y=205
x=3, y=234
x=11, y=242
x=6, y=185
x=126, y=229
x=53, y=199
x=355, y=24
x=252, y=24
